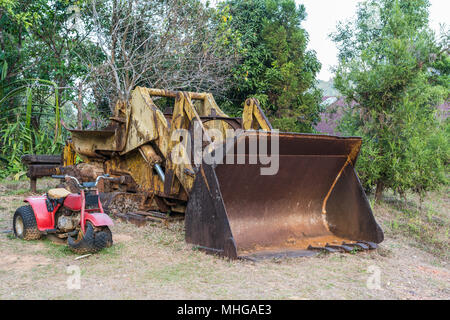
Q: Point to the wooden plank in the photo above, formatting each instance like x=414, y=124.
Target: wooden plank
x=132, y=218
x=151, y=213
x=41, y=170
x=41, y=158
x=33, y=185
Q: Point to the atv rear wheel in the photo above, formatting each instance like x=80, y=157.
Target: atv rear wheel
x=24, y=224
x=93, y=241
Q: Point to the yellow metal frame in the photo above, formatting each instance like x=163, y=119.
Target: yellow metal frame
x=139, y=137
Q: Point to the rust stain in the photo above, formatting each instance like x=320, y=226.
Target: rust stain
x=204, y=178
x=324, y=204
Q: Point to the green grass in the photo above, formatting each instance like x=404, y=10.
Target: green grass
x=174, y=273
x=167, y=237
x=11, y=236
x=9, y=182
x=43, y=271
x=16, y=192
x=428, y=226
x=10, y=243
x=184, y=273
x=56, y=250
x=114, y=251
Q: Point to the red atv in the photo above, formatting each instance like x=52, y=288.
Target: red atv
x=79, y=217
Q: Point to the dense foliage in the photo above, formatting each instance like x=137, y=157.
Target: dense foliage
x=29, y=100
x=72, y=59
x=396, y=73
x=276, y=66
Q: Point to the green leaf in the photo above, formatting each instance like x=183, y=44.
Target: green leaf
x=29, y=98
x=4, y=70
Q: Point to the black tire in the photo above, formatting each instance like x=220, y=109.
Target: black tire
x=30, y=231
x=103, y=238
x=92, y=242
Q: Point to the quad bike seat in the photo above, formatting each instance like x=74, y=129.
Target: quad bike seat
x=58, y=193
x=61, y=195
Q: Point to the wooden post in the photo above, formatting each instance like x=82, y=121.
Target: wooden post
x=33, y=184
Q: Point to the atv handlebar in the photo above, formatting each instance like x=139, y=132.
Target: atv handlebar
x=58, y=176
x=84, y=184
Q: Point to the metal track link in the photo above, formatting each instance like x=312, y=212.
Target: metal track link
x=346, y=247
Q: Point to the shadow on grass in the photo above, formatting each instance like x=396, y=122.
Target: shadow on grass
x=62, y=250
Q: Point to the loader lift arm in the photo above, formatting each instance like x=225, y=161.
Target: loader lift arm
x=253, y=117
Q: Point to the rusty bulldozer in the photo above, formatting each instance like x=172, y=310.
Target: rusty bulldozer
x=233, y=203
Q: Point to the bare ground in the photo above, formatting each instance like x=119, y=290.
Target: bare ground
x=154, y=262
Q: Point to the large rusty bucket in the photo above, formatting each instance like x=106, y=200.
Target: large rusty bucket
x=314, y=200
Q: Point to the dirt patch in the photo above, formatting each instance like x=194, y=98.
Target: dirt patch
x=438, y=273
x=120, y=238
x=11, y=262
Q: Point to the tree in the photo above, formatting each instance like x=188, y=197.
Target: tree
x=276, y=66
x=173, y=44
x=29, y=100
x=15, y=19
x=386, y=69
x=58, y=42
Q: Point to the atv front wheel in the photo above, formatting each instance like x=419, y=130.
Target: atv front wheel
x=24, y=224
x=103, y=238
x=93, y=240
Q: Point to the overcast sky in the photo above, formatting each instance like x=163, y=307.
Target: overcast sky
x=323, y=16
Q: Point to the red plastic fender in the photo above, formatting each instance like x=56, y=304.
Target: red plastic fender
x=99, y=219
x=44, y=219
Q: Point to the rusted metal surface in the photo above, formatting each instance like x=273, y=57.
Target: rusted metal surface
x=142, y=218
x=369, y=244
x=173, y=94
x=357, y=245
x=143, y=119
x=91, y=143
x=69, y=154
x=98, y=144
x=139, y=136
x=340, y=247
x=346, y=247
x=325, y=248
x=283, y=212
